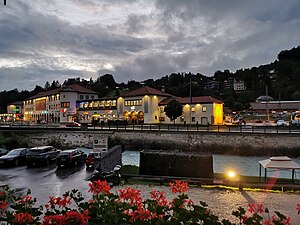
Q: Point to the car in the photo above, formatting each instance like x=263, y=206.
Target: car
x=14, y=158
x=42, y=154
x=281, y=123
x=3, y=151
x=294, y=123
x=70, y=157
x=92, y=159
x=73, y=124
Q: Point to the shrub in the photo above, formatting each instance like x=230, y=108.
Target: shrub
x=126, y=207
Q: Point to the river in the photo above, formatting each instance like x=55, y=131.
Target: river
x=243, y=165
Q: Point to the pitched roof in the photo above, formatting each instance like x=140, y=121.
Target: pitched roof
x=276, y=105
x=279, y=162
x=72, y=88
x=195, y=100
x=145, y=91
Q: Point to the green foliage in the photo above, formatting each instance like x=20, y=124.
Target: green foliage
x=10, y=141
x=173, y=109
x=126, y=207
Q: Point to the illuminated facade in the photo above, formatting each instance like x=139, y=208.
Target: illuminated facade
x=58, y=105
x=203, y=110
x=146, y=105
x=143, y=105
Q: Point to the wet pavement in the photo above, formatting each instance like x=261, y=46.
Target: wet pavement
x=50, y=180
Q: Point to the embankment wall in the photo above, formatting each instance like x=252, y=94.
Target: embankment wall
x=218, y=143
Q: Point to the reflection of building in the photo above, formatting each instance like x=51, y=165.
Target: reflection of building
x=146, y=105
x=58, y=105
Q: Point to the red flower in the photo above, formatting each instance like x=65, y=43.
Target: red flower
x=160, y=197
x=74, y=217
x=99, y=187
x=3, y=204
x=53, y=220
x=132, y=196
x=141, y=214
x=26, y=200
x=61, y=202
x=255, y=208
x=23, y=218
x=179, y=186
x=267, y=222
x=298, y=208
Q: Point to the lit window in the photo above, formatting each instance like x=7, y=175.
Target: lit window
x=204, y=109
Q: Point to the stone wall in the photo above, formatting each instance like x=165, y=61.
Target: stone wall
x=223, y=143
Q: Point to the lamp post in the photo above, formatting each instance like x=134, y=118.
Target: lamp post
x=191, y=101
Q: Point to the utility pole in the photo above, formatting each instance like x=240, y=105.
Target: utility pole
x=191, y=100
x=267, y=107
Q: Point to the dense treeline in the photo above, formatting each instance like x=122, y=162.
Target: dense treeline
x=282, y=79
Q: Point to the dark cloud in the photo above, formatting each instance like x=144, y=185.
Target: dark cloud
x=139, y=39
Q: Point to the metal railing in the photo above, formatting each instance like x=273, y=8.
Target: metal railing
x=165, y=128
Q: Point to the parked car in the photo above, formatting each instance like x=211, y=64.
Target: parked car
x=42, y=154
x=14, y=158
x=70, y=157
x=73, y=124
x=92, y=159
x=281, y=123
x=294, y=123
x=3, y=151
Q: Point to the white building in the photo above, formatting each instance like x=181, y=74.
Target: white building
x=58, y=105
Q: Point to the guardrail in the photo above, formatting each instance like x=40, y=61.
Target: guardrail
x=201, y=128
x=257, y=129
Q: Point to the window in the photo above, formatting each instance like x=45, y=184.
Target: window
x=136, y=102
x=64, y=96
x=65, y=104
x=146, y=105
x=92, y=96
x=161, y=118
x=87, y=97
x=155, y=117
x=204, y=109
x=193, y=119
x=81, y=97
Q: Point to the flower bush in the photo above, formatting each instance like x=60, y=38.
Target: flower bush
x=125, y=207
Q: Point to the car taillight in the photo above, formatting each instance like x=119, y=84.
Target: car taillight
x=71, y=156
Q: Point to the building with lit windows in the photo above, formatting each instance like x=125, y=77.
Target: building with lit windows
x=57, y=105
x=143, y=105
x=146, y=105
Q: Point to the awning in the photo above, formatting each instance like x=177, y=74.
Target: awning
x=278, y=163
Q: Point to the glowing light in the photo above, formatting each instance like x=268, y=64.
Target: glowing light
x=231, y=174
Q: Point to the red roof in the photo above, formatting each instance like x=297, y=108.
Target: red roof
x=195, y=100
x=73, y=88
x=145, y=91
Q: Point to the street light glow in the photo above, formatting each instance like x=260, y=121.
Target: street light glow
x=231, y=174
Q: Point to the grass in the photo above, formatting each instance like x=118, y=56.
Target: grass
x=249, y=183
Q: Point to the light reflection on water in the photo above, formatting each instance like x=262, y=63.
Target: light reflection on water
x=244, y=165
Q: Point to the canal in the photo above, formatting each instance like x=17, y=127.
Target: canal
x=243, y=165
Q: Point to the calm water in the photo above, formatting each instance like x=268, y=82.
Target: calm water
x=244, y=165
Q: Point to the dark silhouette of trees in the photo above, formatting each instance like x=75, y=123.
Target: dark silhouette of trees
x=173, y=109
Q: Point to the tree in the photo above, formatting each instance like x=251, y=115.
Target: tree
x=47, y=85
x=173, y=109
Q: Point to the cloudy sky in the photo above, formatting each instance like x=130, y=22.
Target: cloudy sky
x=139, y=39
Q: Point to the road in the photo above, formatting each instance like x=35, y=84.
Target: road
x=49, y=180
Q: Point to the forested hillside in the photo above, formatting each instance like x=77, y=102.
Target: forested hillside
x=282, y=79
